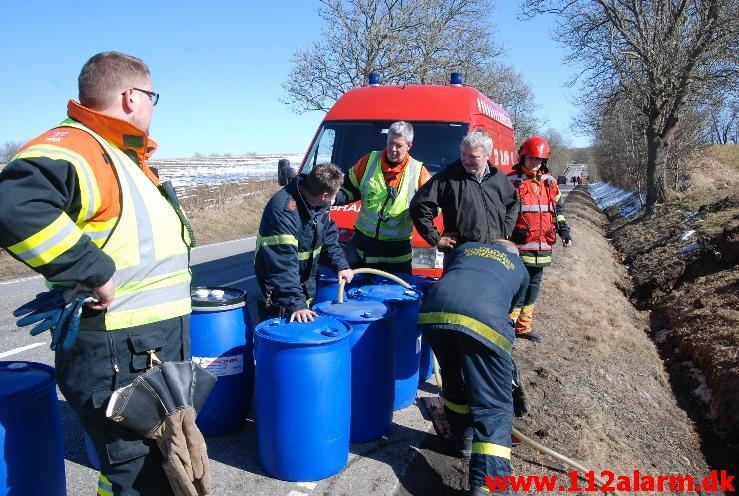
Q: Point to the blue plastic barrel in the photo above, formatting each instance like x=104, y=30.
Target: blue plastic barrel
x=407, y=302
x=327, y=287
x=93, y=459
x=303, y=390
x=220, y=333
x=422, y=284
x=373, y=364
x=31, y=446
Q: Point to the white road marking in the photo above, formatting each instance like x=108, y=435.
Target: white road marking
x=239, y=280
x=307, y=485
x=13, y=281
x=19, y=350
x=296, y=493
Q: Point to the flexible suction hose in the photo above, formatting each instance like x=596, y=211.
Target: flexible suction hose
x=376, y=272
x=537, y=446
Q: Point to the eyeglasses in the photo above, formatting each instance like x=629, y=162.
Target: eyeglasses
x=153, y=96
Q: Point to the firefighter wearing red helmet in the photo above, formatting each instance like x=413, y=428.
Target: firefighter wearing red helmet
x=541, y=218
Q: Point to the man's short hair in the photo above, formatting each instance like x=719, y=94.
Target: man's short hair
x=108, y=74
x=401, y=128
x=478, y=138
x=323, y=178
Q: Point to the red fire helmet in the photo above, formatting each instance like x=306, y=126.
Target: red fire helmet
x=536, y=147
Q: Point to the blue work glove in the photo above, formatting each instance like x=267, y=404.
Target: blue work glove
x=57, y=311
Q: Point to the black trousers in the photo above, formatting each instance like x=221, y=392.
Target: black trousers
x=101, y=362
x=395, y=257
x=477, y=393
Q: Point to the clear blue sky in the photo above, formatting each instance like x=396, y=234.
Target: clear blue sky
x=218, y=65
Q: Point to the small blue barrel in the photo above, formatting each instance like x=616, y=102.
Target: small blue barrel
x=422, y=284
x=327, y=287
x=220, y=333
x=407, y=302
x=373, y=364
x=31, y=442
x=303, y=390
x=92, y=456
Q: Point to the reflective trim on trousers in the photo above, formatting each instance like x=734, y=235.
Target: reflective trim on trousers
x=461, y=409
x=491, y=449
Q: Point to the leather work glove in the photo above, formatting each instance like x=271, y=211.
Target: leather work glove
x=58, y=311
x=162, y=405
x=185, y=457
x=520, y=400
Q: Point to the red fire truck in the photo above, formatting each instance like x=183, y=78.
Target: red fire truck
x=441, y=116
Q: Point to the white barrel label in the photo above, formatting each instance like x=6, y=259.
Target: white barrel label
x=222, y=366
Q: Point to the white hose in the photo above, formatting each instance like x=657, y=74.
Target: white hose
x=377, y=272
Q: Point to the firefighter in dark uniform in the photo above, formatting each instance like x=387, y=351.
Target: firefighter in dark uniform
x=477, y=380
x=295, y=229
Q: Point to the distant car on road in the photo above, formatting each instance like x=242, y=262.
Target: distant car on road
x=561, y=179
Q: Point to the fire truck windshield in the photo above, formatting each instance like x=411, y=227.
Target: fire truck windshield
x=436, y=144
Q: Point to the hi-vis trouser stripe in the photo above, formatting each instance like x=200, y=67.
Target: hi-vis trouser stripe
x=560, y=218
x=375, y=260
x=491, y=449
x=50, y=242
x=531, y=260
x=105, y=488
x=474, y=325
x=460, y=409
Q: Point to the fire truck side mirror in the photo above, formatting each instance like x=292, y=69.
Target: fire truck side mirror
x=285, y=172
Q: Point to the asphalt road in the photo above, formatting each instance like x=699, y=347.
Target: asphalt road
x=374, y=468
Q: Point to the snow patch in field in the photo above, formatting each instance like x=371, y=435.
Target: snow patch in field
x=199, y=171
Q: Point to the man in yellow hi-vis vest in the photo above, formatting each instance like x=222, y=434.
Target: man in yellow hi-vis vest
x=385, y=181
x=80, y=206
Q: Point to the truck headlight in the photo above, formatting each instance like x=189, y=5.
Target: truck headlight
x=429, y=258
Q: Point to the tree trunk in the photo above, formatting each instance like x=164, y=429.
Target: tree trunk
x=656, y=159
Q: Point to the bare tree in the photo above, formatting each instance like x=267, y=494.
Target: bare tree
x=8, y=151
x=661, y=55
x=407, y=41
x=507, y=88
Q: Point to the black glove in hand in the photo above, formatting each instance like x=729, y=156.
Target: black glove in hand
x=57, y=311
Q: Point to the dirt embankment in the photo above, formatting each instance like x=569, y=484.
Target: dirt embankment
x=682, y=259
x=599, y=391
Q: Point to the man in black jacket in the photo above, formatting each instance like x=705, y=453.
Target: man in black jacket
x=295, y=228
x=476, y=199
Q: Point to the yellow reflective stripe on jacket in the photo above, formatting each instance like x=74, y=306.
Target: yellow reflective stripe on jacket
x=398, y=259
x=461, y=409
x=474, y=325
x=98, y=232
x=89, y=193
x=105, y=488
x=557, y=197
x=305, y=255
x=50, y=242
x=278, y=239
x=491, y=449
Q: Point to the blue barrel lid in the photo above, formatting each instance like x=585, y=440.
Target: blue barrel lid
x=421, y=283
x=322, y=330
x=210, y=299
x=18, y=379
x=384, y=292
x=355, y=311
